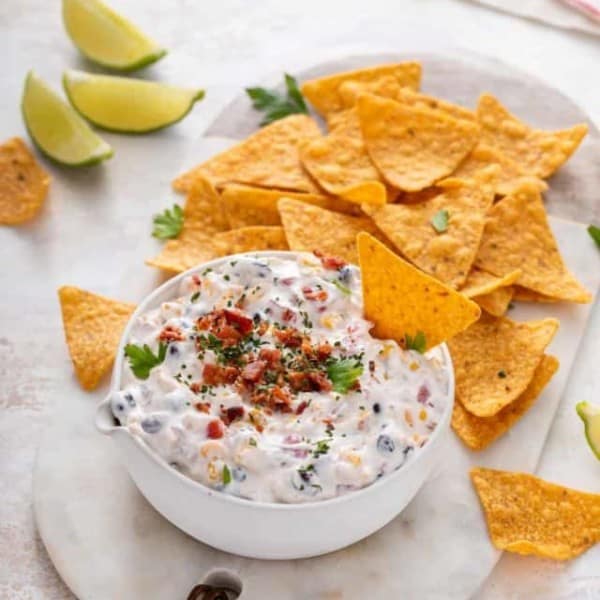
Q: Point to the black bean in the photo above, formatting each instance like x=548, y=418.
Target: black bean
x=385, y=444
x=376, y=408
x=173, y=349
x=130, y=399
x=345, y=274
x=151, y=425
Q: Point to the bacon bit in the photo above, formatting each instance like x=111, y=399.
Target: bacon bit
x=229, y=335
x=423, y=394
x=324, y=350
x=195, y=387
x=276, y=398
x=289, y=337
x=301, y=407
x=318, y=295
x=171, y=334
x=319, y=381
x=229, y=415
x=257, y=419
x=215, y=429
x=288, y=315
x=253, y=371
x=203, y=407
x=239, y=320
x=262, y=328
x=271, y=356
x=330, y=262
x=197, y=280
x=298, y=381
x=216, y=375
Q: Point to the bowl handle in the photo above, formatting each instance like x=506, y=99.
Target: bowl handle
x=103, y=419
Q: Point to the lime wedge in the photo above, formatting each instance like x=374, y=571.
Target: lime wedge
x=128, y=105
x=107, y=38
x=590, y=415
x=57, y=130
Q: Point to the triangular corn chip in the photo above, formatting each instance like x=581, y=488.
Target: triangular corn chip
x=497, y=302
x=481, y=282
x=402, y=301
x=324, y=93
x=23, y=183
x=248, y=239
x=268, y=158
x=517, y=236
x=528, y=515
x=413, y=147
x=536, y=151
x=93, y=326
x=203, y=218
x=522, y=294
x=342, y=167
x=345, y=123
x=407, y=96
x=445, y=253
x=510, y=175
x=494, y=361
x=479, y=432
x=245, y=206
x=309, y=228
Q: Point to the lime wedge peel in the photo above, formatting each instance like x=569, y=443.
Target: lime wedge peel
x=127, y=105
x=107, y=38
x=590, y=415
x=57, y=130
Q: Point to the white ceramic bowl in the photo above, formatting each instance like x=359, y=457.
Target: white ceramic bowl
x=259, y=529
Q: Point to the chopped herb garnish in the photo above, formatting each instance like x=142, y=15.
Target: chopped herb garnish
x=344, y=373
x=418, y=342
x=502, y=374
x=274, y=104
x=142, y=360
x=595, y=234
x=168, y=224
x=226, y=475
x=252, y=442
x=195, y=296
x=322, y=447
x=340, y=286
x=439, y=221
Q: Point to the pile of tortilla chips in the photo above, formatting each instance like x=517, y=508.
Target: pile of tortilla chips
x=442, y=207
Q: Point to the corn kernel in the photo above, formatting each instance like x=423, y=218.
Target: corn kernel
x=423, y=414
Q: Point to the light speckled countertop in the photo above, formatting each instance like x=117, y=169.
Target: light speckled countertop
x=223, y=46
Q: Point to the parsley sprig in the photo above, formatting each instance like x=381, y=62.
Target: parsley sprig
x=595, y=234
x=142, y=360
x=168, y=224
x=274, y=104
x=343, y=373
x=418, y=342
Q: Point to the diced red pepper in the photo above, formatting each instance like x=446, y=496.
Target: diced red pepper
x=229, y=415
x=215, y=429
x=318, y=295
x=330, y=262
x=171, y=334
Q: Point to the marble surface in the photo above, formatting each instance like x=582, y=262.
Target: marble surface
x=224, y=47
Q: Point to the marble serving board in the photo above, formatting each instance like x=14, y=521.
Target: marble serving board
x=108, y=543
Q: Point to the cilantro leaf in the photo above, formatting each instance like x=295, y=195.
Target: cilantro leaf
x=418, y=342
x=340, y=286
x=274, y=104
x=439, y=221
x=168, y=224
x=142, y=360
x=595, y=234
x=344, y=373
x=226, y=475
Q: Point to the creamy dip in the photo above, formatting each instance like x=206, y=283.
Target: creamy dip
x=264, y=382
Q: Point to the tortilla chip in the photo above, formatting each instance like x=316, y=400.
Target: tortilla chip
x=345, y=123
x=245, y=206
x=517, y=236
x=481, y=282
x=342, y=167
x=247, y=239
x=400, y=300
x=528, y=515
x=494, y=361
x=522, y=294
x=510, y=176
x=413, y=147
x=268, y=158
x=497, y=302
x=23, y=183
x=537, y=152
x=324, y=93
x=407, y=96
x=93, y=325
x=479, y=432
x=203, y=218
x=309, y=228
x=448, y=255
